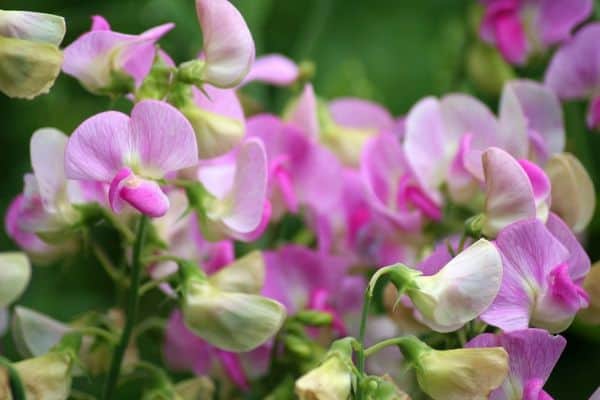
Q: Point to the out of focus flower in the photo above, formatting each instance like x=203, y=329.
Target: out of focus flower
x=129, y=154
x=572, y=76
x=30, y=59
x=107, y=62
x=233, y=200
x=520, y=28
x=456, y=374
x=274, y=69
x=541, y=284
x=228, y=47
x=457, y=293
x=532, y=354
x=515, y=190
x=591, y=284
x=573, y=194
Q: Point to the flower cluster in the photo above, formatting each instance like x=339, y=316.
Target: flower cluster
x=270, y=236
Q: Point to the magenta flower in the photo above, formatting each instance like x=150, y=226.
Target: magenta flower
x=571, y=74
x=103, y=60
x=391, y=186
x=130, y=154
x=519, y=28
x=532, y=353
x=301, y=173
x=228, y=47
x=541, y=285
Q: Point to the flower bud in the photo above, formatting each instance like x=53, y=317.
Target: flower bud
x=27, y=68
x=384, y=388
x=228, y=320
x=246, y=274
x=456, y=374
x=591, y=284
x=330, y=380
x=573, y=197
x=15, y=272
x=215, y=134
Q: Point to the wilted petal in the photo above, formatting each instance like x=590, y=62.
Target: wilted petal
x=228, y=46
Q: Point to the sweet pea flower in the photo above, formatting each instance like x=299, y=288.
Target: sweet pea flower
x=130, y=153
x=107, y=62
x=274, y=69
x=457, y=293
x=515, y=190
x=520, y=28
x=391, y=186
x=46, y=207
x=543, y=272
x=301, y=173
x=532, y=354
x=571, y=76
x=235, y=198
x=227, y=43
x=30, y=59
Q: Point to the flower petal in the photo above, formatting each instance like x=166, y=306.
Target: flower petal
x=558, y=17
x=228, y=45
x=361, y=114
x=47, y=159
x=274, y=69
x=304, y=113
x=27, y=25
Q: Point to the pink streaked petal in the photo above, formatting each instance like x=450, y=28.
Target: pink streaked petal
x=249, y=188
x=304, y=114
x=510, y=37
x=361, y=114
x=564, y=291
x=540, y=182
x=162, y=137
x=574, y=71
x=426, y=144
x=274, y=69
x=509, y=193
x=99, y=23
x=558, y=17
x=145, y=196
x=579, y=261
x=542, y=113
x=98, y=148
x=227, y=43
x=513, y=122
x=114, y=198
x=223, y=102
x=47, y=148
x=260, y=229
x=184, y=351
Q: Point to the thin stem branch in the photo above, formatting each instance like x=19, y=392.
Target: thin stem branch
x=108, y=266
x=361, y=338
x=131, y=311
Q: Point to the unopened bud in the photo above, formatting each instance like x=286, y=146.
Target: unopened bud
x=591, y=284
x=314, y=318
x=15, y=272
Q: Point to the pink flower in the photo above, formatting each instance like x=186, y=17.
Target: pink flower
x=571, y=74
x=228, y=46
x=543, y=270
x=522, y=27
x=274, y=69
x=131, y=153
x=105, y=61
x=532, y=353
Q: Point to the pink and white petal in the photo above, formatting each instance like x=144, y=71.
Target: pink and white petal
x=540, y=183
x=361, y=114
x=304, y=113
x=227, y=43
x=509, y=194
x=274, y=69
x=513, y=124
x=47, y=148
x=162, y=137
x=217, y=178
x=578, y=260
x=219, y=101
x=99, y=23
x=557, y=18
x=426, y=145
x=145, y=196
x=574, y=71
x=99, y=147
x=543, y=114
x=249, y=188
x=26, y=240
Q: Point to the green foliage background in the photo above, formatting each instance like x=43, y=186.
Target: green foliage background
x=391, y=51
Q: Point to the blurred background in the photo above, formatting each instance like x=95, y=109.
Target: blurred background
x=394, y=52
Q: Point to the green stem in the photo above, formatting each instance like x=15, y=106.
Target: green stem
x=16, y=385
x=383, y=344
x=361, y=339
x=109, y=267
x=94, y=331
x=131, y=311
